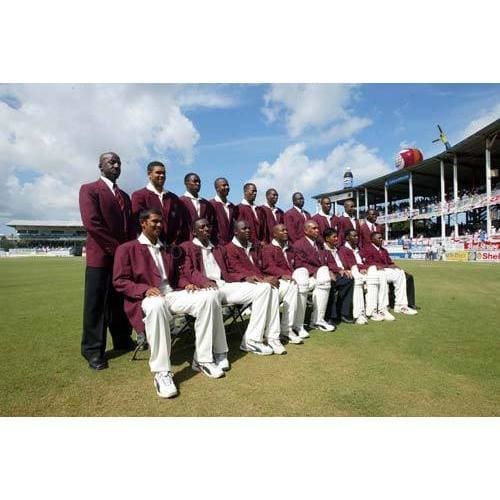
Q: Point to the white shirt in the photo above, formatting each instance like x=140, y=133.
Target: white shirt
x=358, y=258
x=335, y=254
x=154, y=250
x=327, y=217
x=195, y=201
x=254, y=208
x=372, y=227
x=353, y=219
x=273, y=210
x=247, y=249
x=301, y=212
x=109, y=184
x=224, y=204
x=151, y=188
x=283, y=249
x=212, y=269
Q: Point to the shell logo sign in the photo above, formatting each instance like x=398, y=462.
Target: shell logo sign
x=408, y=157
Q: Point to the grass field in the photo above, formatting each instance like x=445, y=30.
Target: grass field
x=443, y=362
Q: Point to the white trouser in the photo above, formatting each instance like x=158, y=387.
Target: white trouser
x=398, y=278
x=204, y=305
x=288, y=295
x=376, y=291
x=261, y=295
x=320, y=287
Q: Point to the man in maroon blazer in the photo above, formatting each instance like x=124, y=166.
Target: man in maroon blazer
x=375, y=254
x=324, y=219
x=225, y=213
x=349, y=221
x=252, y=214
x=273, y=214
x=107, y=217
x=244, y=264
x=312, y=274
x=205, y=266
x=295, y=217
x=155, y=196
x=370, y=226
x=146, y=274
x=194, y=206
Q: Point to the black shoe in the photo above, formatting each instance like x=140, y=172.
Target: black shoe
x=97, y=362
x=345, y=319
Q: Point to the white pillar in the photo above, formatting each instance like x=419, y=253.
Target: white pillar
x=366, y=199
x=334, y=208
x=410, y=195
x=489, y=144
x=443, y=221
x=386, y=196
x=455, y=191
x=357, y=204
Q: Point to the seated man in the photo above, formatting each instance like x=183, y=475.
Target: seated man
x=146, y=275
x=205, y=266
x=277, y=260
x=376, y=284
x=312, y=274
x=243, y=265
x=375, y=255
x=340, y=299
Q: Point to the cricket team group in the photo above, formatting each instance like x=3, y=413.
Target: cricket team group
x=155, y=255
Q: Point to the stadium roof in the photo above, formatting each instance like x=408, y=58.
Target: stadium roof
x=426, y=175
x=44, y=223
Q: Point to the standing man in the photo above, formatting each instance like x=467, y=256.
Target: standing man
x=146, y=274
x=340, y=299
x=312, y=274
x=243, y=264
x=295, y=217
x=155, y=196
x=324, y=219
x=106, y=214
x=253, y=215
x=225, y=213
x=273, y=214
x=194, y=206
x=348, y=221
x=370, y=226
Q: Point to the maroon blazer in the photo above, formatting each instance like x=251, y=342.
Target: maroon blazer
x=135, y=271
x=330, y=259
x=323, y=224
x=306, y=256
x=107, y=226
x=271, y=220
x=348, y=259
x=366, y=233
x=192, y=268
x=294, y=222
x=222, y=231
x=257, y=225
x=344, y=223
x=274, y=262
x=239, y=266
x=190, y=215
x=376, y=257
x=174, y=224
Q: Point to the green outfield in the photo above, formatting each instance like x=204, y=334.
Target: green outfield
x=443, y=362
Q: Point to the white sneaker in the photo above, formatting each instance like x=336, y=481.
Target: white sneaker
x=301, y=332
x=323, y=326
x=276, y=346
x=256, y=347
x=361, y=320
x=291, y=337
x=376, y=317
x=405, y=310
x=221, y=361
x=386, y=315
x=164, y=383
x=209, y=369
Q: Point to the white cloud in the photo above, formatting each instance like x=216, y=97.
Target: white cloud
x=58, y=131
x=320, y=107
x=294, y=171
x=484, y=118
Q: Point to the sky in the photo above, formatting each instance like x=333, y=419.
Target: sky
x=293, y=137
